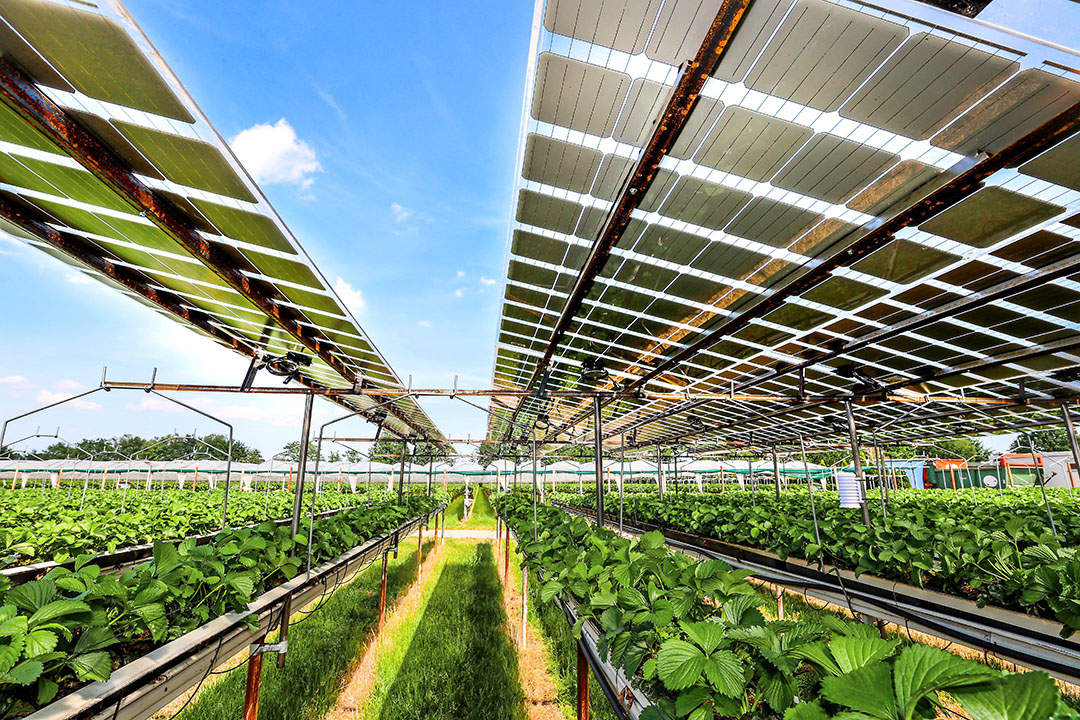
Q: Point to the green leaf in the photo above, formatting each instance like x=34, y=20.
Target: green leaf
x=46, y=691
x=868, y=690
x=852, y=653
x=32, y=595
x=243, y=583
x=818, y=654
x=550, y=590
x=57, y=608
x=651, y=540
x=690, y=699
x=9, y=655
x=806, y=711
x=725, y=672
x=706, y=635
x=26, y=672
x=166, y=557
x=777, y=687
x=39, y=642
x=679, y=664
x=92, y=666
x=97, y=637
x=1024, y=696
x=922, y=670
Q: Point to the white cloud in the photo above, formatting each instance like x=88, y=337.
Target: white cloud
x=274, y=154
x=486, y=281
x=353, y=298
x=72, y=386
x=48, y=397
x=16, y=382
x=423, y=323
x=77, y=278
x=400, y=212
x=459, y=293
x=152, y=403
x=461, y=273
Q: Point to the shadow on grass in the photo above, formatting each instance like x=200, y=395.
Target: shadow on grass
x=322, y=648
x=460, y=663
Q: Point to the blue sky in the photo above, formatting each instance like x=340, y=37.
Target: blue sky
x=397, y=128
x=412, y=113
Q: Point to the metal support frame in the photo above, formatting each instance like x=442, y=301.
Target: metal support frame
x=582, y=686
x=598, y=449
x=857, y=463
x=960, y=187
x=298, y=501
x=1074, y=446
x=22, y=96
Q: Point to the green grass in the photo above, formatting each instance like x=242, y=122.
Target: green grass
x=459, y=663
x=322, y=648
x=482, y=518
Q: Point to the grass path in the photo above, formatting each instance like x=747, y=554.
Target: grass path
x=482, y=518
x=322, y=649
x=452, y=659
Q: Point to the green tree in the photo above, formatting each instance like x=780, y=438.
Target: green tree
x=1056, y=440
x=291, y=452
x=389, y=452
x=961, y=448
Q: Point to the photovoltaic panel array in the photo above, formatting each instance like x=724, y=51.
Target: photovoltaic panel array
x=810, y=233
x=108, y=164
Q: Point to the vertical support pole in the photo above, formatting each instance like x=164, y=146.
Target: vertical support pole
x=251, y=691
x=228, y=476
x=382, y=590
x=419, y=551
x=534, y=487
x=857, y=462
x=675, y=467
x=598, y=449
x=659, y=473
x=622, y=476
x=401, y=476
x=779, y=602
x=1041, y=481
x=813, y=507
x=582, y=684
x=776, y=475
x=442, y=528
x=879, y=462
x=506, y=562
x=1073, y=445
x=298, y=501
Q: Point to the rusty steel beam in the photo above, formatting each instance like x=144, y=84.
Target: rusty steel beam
x=22, y=96
x=683, y=100
x=962, y=186
x=85, y=252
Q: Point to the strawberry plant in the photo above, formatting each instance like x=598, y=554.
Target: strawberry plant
x=74, y=626
x=990, y=548
x=691, y=636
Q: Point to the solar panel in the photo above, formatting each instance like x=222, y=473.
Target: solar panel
x=823, y=121
x=93, y=125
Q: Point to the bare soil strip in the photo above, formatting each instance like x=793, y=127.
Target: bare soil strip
x=541, y=696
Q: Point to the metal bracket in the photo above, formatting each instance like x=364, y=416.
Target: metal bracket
x=260, y=648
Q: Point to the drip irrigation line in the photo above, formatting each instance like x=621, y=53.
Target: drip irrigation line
x=209, y=668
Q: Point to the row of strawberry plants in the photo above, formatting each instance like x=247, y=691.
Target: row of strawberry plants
x=52, y=526
x=988, y=547
x=691, y=636
x=75, y=626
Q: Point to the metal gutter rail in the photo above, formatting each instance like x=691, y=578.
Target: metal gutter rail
x=145, y=685
x=1009, y=635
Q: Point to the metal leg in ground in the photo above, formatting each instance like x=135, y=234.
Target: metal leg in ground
x=382, y=592
x=251, y=693
x=582, y=684
x=419, y=551
x=506, y=562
